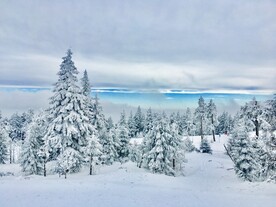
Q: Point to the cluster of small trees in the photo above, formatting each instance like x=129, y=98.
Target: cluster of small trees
x=254, y=157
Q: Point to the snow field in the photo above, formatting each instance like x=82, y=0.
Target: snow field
x=209, y=181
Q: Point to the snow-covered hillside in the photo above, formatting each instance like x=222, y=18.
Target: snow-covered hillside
x=209, y=181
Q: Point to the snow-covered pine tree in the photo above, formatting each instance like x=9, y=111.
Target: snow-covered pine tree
x=205, y=146
x=16, y=123
x=271, y=160
x=254, y=112
x=27, y=119
x=155, y=157
x=98, y=119
x=261, y=158
x=148, y=121
x=189, y=126
x=86, y=91
x=69, y=161
x=175, y=151
x=93, y=152
x=163, y=146
x=242, y=153
x=110, y=145
x=188, y=145
x=270, y=112
x=3, y=145
x=123, y=138
x=69, y=126
x=131, y=125
x=224, y=123
x=110, y=124
x=30, y=159
x=201, y=120
x=134, y=153
x=86, y=87
x=212, y=116
x=139, y=121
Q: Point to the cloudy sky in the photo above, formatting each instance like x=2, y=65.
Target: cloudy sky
x=195, y=44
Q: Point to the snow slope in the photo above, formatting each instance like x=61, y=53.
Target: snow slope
x=209, y=181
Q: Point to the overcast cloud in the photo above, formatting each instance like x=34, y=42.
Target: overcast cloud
x=196, y=44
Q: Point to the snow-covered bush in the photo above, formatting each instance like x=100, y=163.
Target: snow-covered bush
x=205, y=146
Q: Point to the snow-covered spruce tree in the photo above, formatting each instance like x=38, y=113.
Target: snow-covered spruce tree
x=200, y=117
x=189, y=126
x=188, y=145
x=148, y=121
x=92, y=152
x=16, y=123
x=3, y=145
x=175, y=150
x=139, y=121
x=254, y=112
x=110, y=146
x=163, y=148
x=30, y=159
x=69, y=126
x=131, y=125
x=86, y=87
x=270, y=112
x=98, y=119
x=224, y=123
x=155, y=157
x=123, y=138
x=271, y=159
x=93, y=149
x=212, y=117
x=261, y=158
x=110, y=124
x=205, y=146
x=69, y=161
x=243, y=154
x=134, y=153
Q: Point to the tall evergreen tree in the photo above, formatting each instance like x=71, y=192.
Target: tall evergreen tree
x=163, y=148
x=189, y=126
x=93, y=152
x=123, y=138
x=242, y=153
x=86, y=87
x=3, y=145
x=69, y=126
x=98, y=119
x=131, y=125
x=212, y=117
x=110, y=146
x=254, y=112
x=30, y=159
x=148, y=121
x=201, y=117
x=139, y=121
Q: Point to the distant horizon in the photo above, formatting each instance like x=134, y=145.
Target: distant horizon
x=115, y=100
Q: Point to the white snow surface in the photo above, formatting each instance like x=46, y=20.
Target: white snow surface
x=209, y=181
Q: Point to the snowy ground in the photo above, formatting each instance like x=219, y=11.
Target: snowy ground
x=209, y=181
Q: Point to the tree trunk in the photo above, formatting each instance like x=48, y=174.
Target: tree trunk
x=201, y=128
x=44, y=168
x=173, y=164
x=11, y=153
x=257, y=128
x=91, y=167
x=213, y=131
x=13, y=160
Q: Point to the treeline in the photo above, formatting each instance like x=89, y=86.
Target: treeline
x=73, y=132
